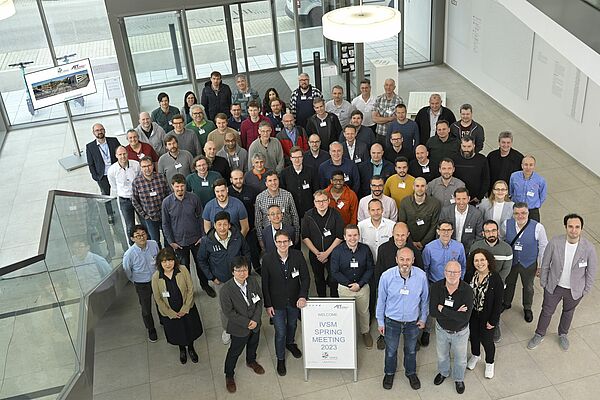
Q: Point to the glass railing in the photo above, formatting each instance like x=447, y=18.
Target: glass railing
x=45, y=308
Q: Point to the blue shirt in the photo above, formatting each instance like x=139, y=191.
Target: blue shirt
x=393, y=302
x=348, y=167
x=343, y=267
x=531, y=191
x=234, y=207
x=436, y=256
x=139, y=264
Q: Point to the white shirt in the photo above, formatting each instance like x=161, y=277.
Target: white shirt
x=374, y=237
x=565, y=276
x=433, y=118
x=366, y=107
x=497, y=213
x=390, y=210
x=121, y=179
x=243, y=289
x=351, y=149
x=460, y=219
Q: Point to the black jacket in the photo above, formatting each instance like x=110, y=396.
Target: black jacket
x=221, y=165
x=422, y=120
x=492, y=304
x=216, y=103
x=296, y=185
x=281, y=289
x=365, y=170
x=386, y=256
x=95, y=160
x=215, y=260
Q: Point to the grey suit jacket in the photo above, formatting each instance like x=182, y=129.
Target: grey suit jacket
x=583, y=269
x=236, y=310
x=472, y=229
x=487, y=209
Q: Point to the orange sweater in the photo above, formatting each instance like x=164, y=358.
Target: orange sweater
x=347, y=205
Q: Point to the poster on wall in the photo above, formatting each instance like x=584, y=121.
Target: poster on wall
x=347, y=57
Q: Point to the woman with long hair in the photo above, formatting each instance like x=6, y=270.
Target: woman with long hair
x=497, y=205
x=271, y=94
x=188, y=100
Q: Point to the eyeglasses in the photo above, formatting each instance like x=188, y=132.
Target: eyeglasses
x=240, y=270
x=445, y=230
x=322, y=201
x=314, y=141
x=501, y=189
x=282, y=242
x=452, y=272
x=139, y=235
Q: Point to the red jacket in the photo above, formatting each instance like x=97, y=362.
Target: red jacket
x=286, y=142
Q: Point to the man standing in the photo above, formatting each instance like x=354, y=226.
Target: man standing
x=353, y=149
x=101, y=154
x=342, y=198
x=322, y=231
x=275, y=225
x=249, y=130
x=567, y=273
x=402, y=309
x=439, y=252
x=365, y=104
x=216, y=96
x=421, y=165
x=364, y=134
x=291, y=136
x=216, y=163
x=199, y=124
x=121, y=176
x=375, y=230
x=442, y=145
x=149, y=190
x=267, y=146
x=217, y=135
x=451, y=304
x=186, y=138
x=182, y=226
x=352, y=268
x=235, y=120
x=137, y=150
x=472, y=168
x=238, y=216
x=420, y=212
x=241, y=303
x=139, y=266
x=444, y=186
x=201, y=182
x=276, y=114
x=300, y=181
x=428, y=117
x=247, y=195
x=390, y=210
x=152, y=133
x=384, y=110
x=528, y=240
x=175, y=161
x=400, y=185
x=466, y=219
x=529, y=187
x=407, y=128
x=301, y=100
x=395, y=147
x=244, y=94
x=236, y=156
x=505, y=160
x=285, y=284
x=339, y=163
x=467, y=127
x=164, y=114
x=324, y=124
x=339, y=106
x=314, y=157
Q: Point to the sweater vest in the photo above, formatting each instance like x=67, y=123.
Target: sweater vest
x=527, y=243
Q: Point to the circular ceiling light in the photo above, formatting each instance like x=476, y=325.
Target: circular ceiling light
x=7, y=9
x=361, y=24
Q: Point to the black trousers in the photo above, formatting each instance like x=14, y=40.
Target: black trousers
x=183, y=255
x=144, y=294
x=236, y=347
x=321, y=282
x=479, y=335
x=105, y=190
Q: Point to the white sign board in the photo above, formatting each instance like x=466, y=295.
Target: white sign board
x=418, y=100
x=114, y=89
x=329, y=334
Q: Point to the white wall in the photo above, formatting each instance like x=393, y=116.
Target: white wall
x=550, y=65
x=417, y=25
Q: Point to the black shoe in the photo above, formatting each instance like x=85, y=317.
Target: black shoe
x=425, y=339
x=152, y=336
x=381, y=343
x=460, y=387
x=182, y=356
x=388, y=381
x=193, y=354
x=528, y=315
x=293, y=348
x=210, y=291
x=506, y=306
x=415, y=383
x=281, y=370
x=439, y=378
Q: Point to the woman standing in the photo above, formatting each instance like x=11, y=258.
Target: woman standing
x=188, y=100
x=488, y=290
x=497, y=205
x=173, y=292
x=271, y=94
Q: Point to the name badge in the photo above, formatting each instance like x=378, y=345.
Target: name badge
x=201, y=131
x=357, y=160
x=402, y=185
x=353, y=264
x=346, y=178
x=452, y=201
x=165, y=294
x=204, y=183
x=247, y=95
x=295, y=273
x=236, y=158
x=518, y=247
x=340, y=205
x=425, y=169
x=323, y=124
x=277, y=129
x=302, y=97
x=530, y=194
x=255, y=298
x=420, y=222
x=468, y=230
x=582, y=264
x=449, y=303
x=178, y=165
x=153, y=194
x=305, y=186
x=404, y=291
x=141, y=155
x=326, y=232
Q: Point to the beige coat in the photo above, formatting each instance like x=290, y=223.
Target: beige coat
x=184, y=282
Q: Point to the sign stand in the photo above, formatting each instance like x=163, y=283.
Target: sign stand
x=114, y=90
x=329, y=334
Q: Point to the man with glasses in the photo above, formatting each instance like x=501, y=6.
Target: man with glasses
x=390, y=210
x=267, y=244
x=300, y=181
x=301, y=100
x=291, y=136
x=267, y=146
x=395, y=147
x=199, y=124
x=314, y=157
x=285, y=284
x=218, y=135
x=451, y=304
x=186, y=138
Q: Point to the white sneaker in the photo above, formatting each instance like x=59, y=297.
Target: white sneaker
x=473, y=362
x=226, y=338
x=489, y=370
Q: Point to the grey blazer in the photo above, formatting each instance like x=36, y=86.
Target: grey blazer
x=583, y=270
x=236, y=310
x=487, y=209
x=472, y=229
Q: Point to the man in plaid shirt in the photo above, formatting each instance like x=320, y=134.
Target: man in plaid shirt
x=384, y=109
x=149, y=190
x=274, y=195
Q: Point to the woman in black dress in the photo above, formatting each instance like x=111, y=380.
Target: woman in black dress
x=173, y=292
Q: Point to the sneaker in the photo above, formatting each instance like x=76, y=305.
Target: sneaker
x=381, y=343
x=535, y=341
x=415, y=383
x=563, y=342
x=388, y=381
x=368, y=340
x=489, y=370
x=473, y=362
x=497, y=334
x=226, y=338
x=152, y=336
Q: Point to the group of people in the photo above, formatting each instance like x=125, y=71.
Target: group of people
x=406, y=217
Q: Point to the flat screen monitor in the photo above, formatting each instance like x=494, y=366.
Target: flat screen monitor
x=55, y=85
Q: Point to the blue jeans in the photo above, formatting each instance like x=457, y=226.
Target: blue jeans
x=153, y=230
x=285, y=322
x=455, y=343
x=393, y=330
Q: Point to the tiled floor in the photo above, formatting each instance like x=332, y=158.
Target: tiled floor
x=128, y=367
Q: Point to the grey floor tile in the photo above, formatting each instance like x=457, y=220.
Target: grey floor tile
x=580, y=389
x=110, y=367
x=141, y=392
